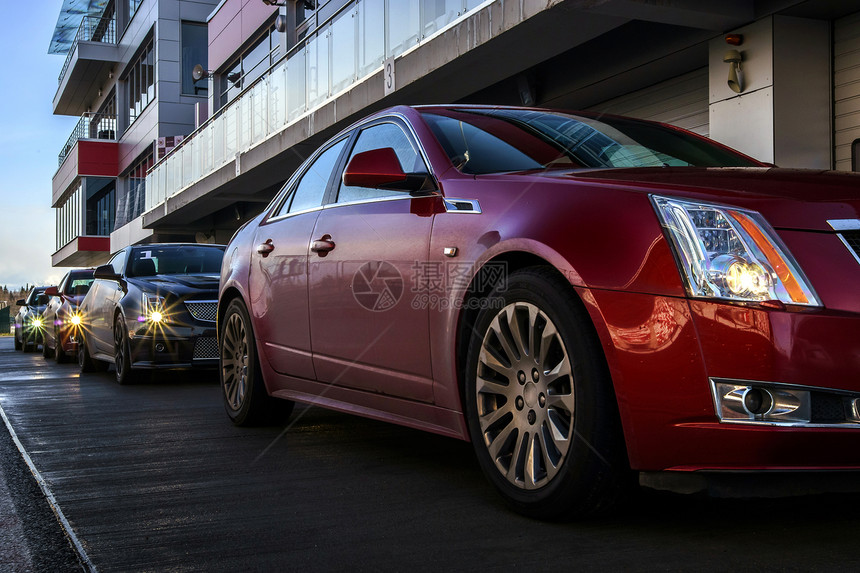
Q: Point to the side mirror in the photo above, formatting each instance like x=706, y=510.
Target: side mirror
x=380, y=169
x=52, y=291
x=105, y=272
x=21, y=302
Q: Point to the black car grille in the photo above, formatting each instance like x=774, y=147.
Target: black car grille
x=203, y=310
x=852, y=239
x=206, y=347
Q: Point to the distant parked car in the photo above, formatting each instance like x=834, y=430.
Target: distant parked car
x=152, y=306
x=61, y=319
x=29, y=325
x=578, y=295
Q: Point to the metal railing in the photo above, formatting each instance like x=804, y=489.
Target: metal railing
x=342, y=51
x=90, y=126
x=92, y=29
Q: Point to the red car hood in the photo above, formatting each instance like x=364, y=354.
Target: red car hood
x=788, y=198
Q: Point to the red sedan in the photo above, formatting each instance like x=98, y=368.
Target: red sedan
x=582, y=297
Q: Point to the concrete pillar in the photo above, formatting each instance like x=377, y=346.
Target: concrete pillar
x=784, y=113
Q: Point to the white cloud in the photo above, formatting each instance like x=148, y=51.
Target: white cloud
x=28, y=241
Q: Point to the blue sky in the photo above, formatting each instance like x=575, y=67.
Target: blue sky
x=30, y=139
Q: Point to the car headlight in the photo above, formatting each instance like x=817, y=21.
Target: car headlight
x=732, y=254
x=36, y=322
x=152, y=309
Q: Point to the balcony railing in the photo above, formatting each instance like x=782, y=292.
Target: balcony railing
x=341, y=52
x=90, y=126
x=92, y=29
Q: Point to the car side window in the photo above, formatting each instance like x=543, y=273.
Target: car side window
x=117, y=262
x=376, y=137
x=310, y=190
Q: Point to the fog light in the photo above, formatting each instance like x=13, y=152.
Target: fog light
x=159, y=347
x=757, y=402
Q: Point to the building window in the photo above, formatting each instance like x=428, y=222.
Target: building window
x=251, y=63
x=195, y=50
x=103, y=123
x=69, y=218
x=140, y=79
x=132, y=204
x=101, y=205
x=132, y=7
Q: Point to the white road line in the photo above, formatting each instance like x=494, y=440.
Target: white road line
x=76, y=543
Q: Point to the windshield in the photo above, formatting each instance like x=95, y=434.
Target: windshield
x=79, y=283
x=38, y=297
x=500, y=140
x=150, y=261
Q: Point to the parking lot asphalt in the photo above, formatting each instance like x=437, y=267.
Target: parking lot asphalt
x=153, y=477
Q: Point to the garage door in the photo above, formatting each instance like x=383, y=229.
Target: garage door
x=681, y=101
x=846, y=84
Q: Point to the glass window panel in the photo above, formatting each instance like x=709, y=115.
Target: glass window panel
x=296, y=84
x=343, y=50
x=317, y=55
x=278, y=97
x=377, y=137
x=436, y=14
x=310, y=190
x=195, y=50
x=403, y=26
x=255, y=61
x=371, y=35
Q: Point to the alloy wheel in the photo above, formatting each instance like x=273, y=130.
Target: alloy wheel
x=234, y=361
x=524, y=395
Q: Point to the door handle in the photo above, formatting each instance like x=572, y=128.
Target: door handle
x=266, y=248
x=322, y=245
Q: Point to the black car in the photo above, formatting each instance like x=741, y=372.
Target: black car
x=152, y=306
x=29, y=326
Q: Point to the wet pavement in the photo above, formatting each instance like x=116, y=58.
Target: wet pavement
x=153, y=477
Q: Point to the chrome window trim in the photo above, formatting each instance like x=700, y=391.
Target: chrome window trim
x=405, y=195
x=415, y=137
x=288, y=215
x=844, y=224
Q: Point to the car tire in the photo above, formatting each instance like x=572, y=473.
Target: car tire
x=540, y=404
x=18, y=345
x=86, y=361
x=59, y=353
x=46, y=350
x=242, y=387
x=122, y=352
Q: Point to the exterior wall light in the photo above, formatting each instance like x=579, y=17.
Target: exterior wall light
x=736, y=75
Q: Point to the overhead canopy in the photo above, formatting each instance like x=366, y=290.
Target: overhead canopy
x=69, y=20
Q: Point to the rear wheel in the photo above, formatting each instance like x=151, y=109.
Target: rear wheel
x=245, y=397
x=59, y=353
x=540, y=404
x=122, y=352
x=87, y=362
x=47, y=352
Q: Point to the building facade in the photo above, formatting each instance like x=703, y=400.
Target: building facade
x=281, y=79
x=128, y=76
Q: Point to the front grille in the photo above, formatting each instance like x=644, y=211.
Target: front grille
x=205, y=310
x=852, y=241
x=206, y=347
